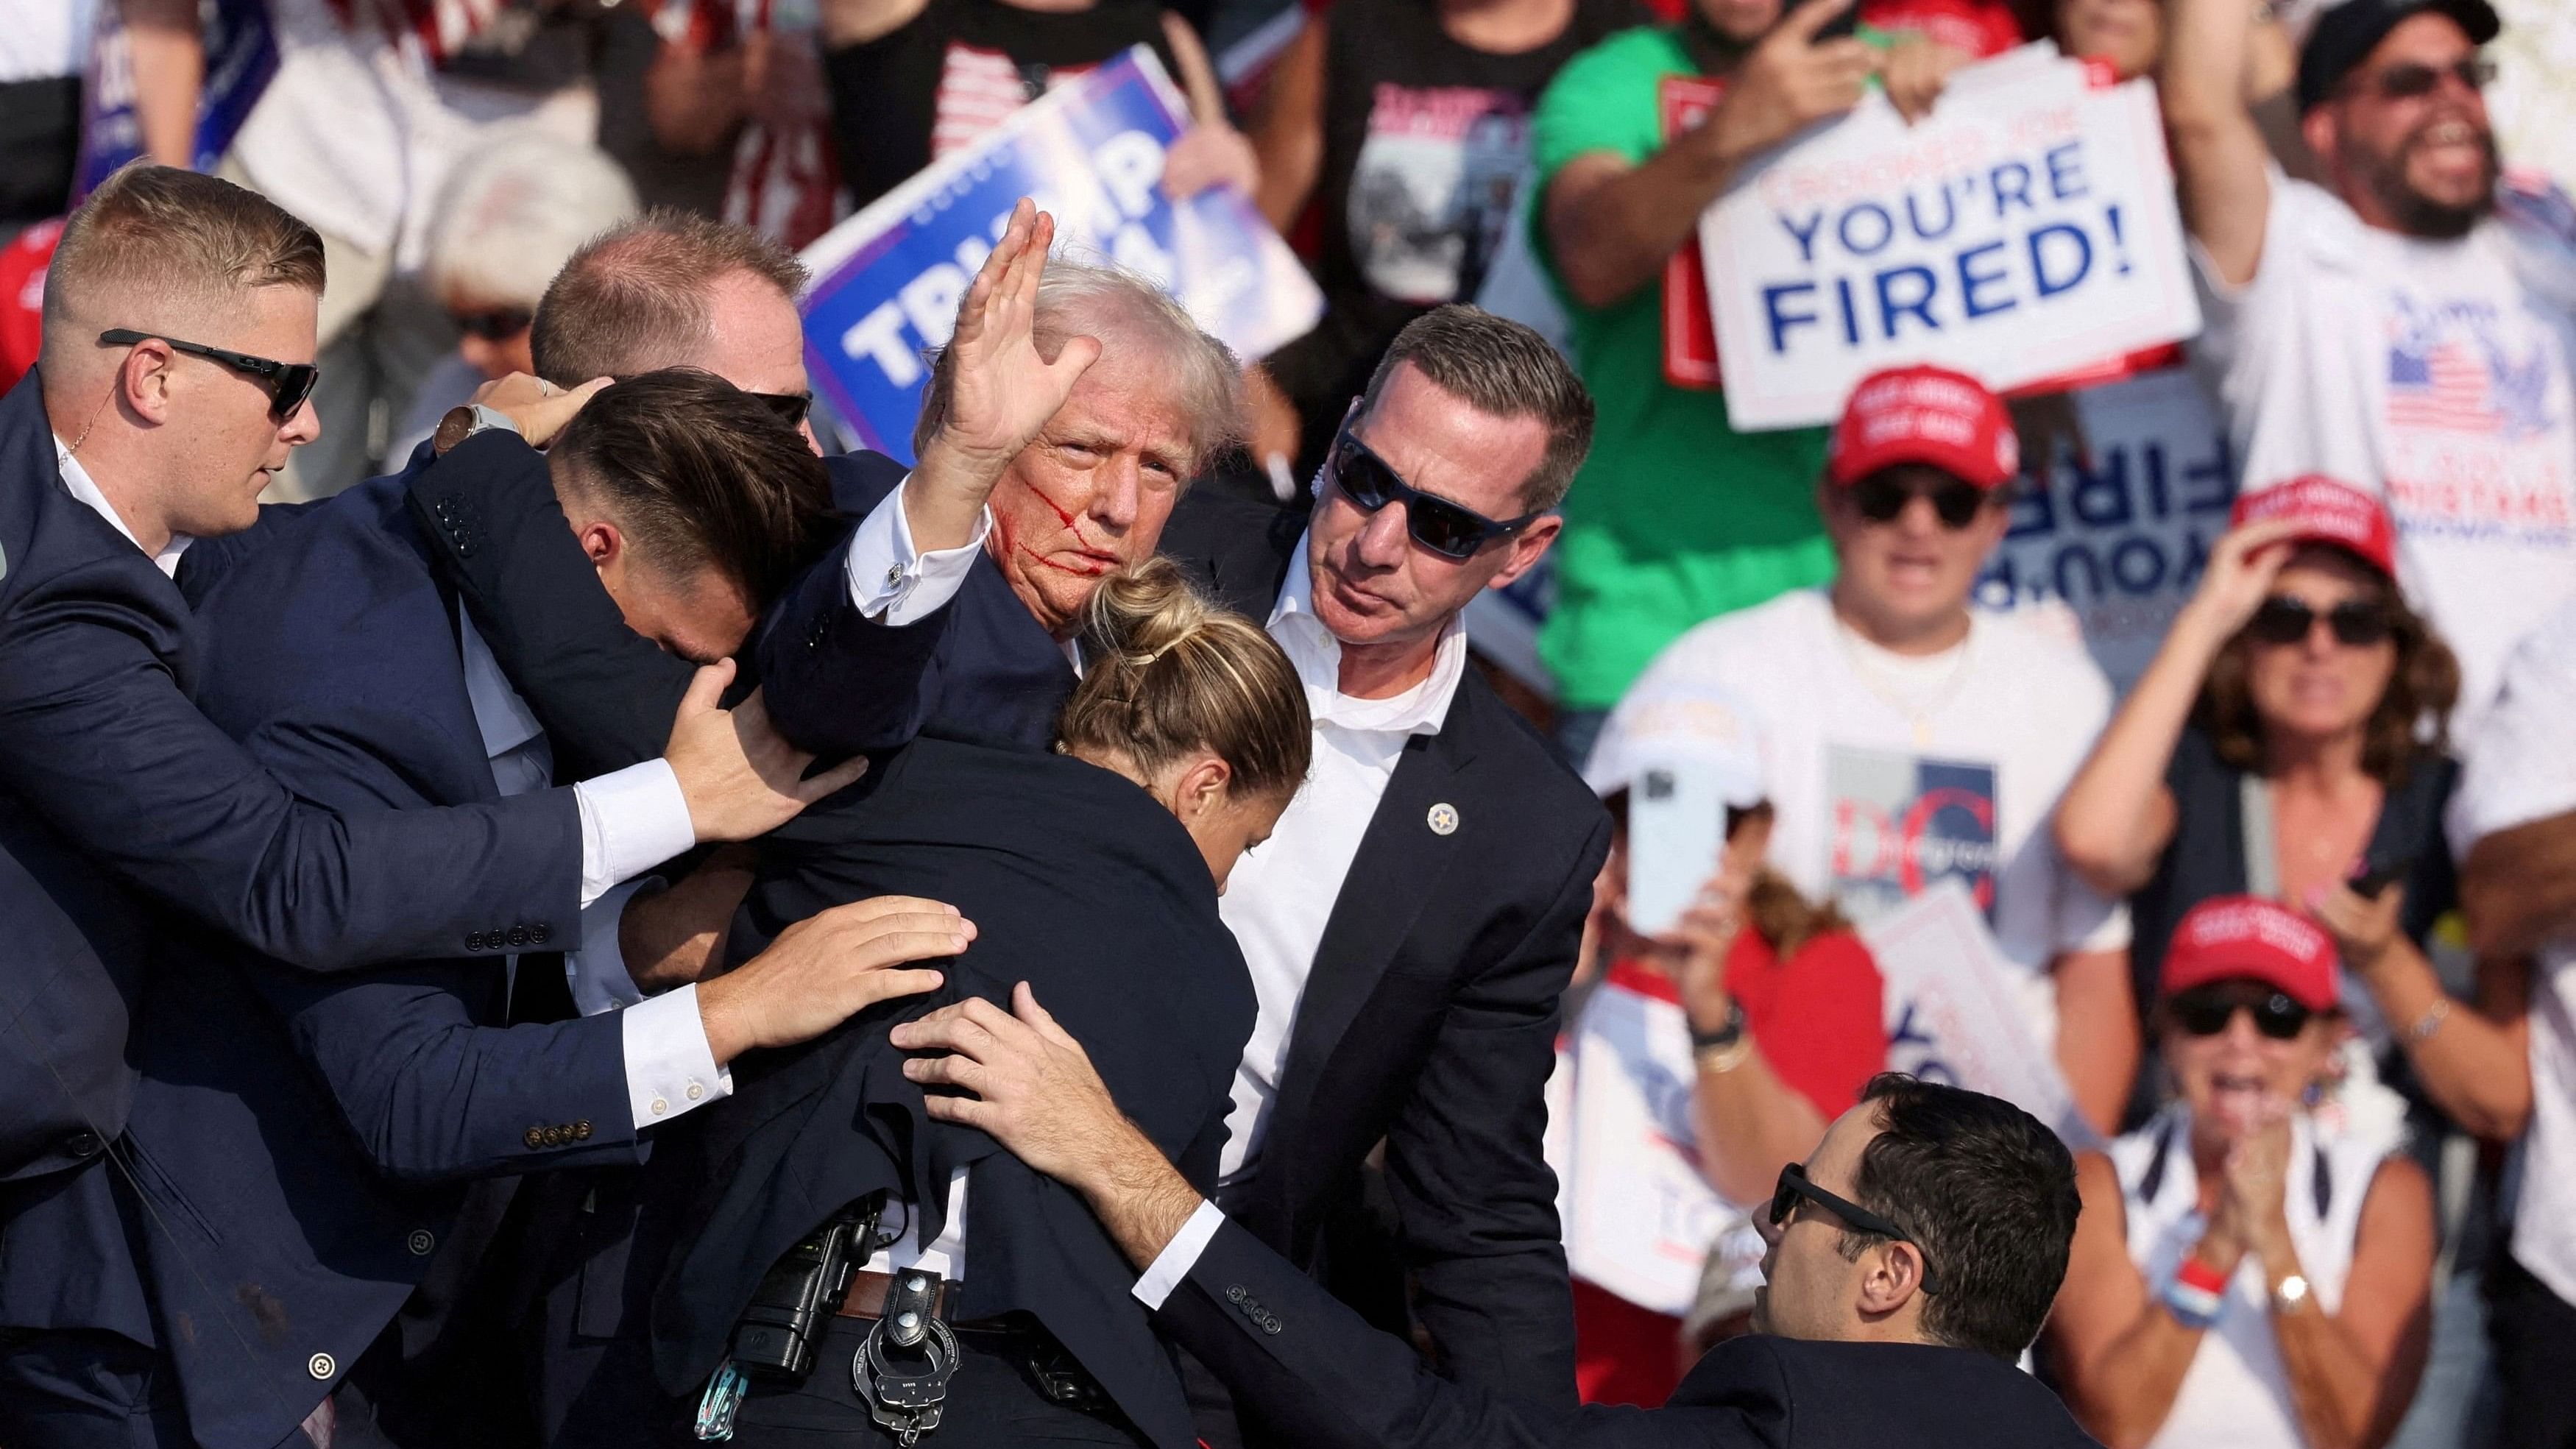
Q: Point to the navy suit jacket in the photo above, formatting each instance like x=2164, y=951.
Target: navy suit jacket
x=1309, y=1368
x=1082, y=886
x=117, y=796
x=309, y=1138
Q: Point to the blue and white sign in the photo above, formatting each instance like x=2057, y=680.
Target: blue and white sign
x=241, y=59
x=2121, y=537
x=2023, y=230
x=1091, y=153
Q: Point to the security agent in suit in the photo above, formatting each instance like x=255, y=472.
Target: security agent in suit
x=167, y=393
x=330, y=1124
x=1416, y=920
x=1912, y=1258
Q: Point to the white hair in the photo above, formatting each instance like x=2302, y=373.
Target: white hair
x=514, y=211
x=1123, y=309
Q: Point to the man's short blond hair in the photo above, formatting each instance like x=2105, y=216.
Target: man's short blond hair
x=157, y=247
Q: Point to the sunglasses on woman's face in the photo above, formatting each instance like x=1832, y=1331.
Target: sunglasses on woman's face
x=1881, y=498
x=2356, y=623
x=1437, y=524
x=1794, y=1184
x=2206, y=1011
x=289, y=383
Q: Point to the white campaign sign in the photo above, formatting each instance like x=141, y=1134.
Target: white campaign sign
x=1951, y=1014
x=1639, y=1219
x=2025, y=229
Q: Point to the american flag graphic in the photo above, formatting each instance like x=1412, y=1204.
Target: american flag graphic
x=2443, y=388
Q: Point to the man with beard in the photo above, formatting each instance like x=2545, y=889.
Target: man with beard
x=2408, y=322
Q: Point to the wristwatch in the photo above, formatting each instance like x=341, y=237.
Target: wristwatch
x=2290, y=1295
x=1724, y=1049
x=464, y=422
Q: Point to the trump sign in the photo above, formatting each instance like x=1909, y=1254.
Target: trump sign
x=1091, y=152
x=2026, y=229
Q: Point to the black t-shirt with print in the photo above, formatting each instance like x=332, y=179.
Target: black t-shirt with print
x=939, y=83
x=1425, y=140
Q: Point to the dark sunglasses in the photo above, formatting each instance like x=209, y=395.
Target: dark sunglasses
x=2206, y=1011
x=495, y=324
x=2357, y=623
x=1880, y=498
x=1794, y=1185
x=791, y=407
x=289, y=383
x=1435, y=523
x=2414, y=80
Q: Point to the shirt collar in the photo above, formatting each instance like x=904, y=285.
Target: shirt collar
x=1317, y=655
x=78, y=483
x=502, y=717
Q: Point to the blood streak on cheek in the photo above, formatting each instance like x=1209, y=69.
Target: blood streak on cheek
x=1072, y=521
x=1012, y=544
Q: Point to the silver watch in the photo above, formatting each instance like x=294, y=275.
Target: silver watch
x=465, y=421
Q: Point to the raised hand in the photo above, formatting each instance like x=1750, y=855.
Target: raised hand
x=1789, y=82
x=538, y=407
x=740, y=776
x=827, y=968
x=2242, y=565
x=1001, y=388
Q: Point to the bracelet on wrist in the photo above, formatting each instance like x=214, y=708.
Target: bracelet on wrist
x=1724, y=1049
x=2196, y=1293
x=2431, y=1021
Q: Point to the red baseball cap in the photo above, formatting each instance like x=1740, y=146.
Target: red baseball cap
x=2327, y=511
x=1930, y=415
x=2232, y=938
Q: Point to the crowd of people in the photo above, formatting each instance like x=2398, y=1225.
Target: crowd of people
x=555, y=903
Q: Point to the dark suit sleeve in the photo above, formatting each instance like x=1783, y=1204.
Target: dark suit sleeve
x=1466, y=1166
x=432, y=1096
x=1322, y=1378
x=838, y=683
x=96, y=738
x=605, y=694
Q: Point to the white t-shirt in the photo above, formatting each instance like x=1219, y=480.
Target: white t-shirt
x=2520, y=768
x=2437, y=370
x=1890, y=773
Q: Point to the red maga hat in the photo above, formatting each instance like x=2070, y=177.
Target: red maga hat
x=2233, y=938
x=1928, y=415
x=2327, y=511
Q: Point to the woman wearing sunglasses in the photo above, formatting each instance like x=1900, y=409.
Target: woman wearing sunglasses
x=2287, y=742
x=2246, y=1274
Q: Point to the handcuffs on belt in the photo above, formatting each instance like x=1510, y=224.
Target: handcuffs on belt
x=901, y=1369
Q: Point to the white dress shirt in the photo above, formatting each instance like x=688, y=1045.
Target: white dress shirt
x=631, y=819
x=669, y=1066
x=890, y=580
x=1280, y=896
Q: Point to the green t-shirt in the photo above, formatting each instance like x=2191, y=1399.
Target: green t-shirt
x=1676, y=517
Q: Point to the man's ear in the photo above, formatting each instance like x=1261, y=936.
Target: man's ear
x=143, y=379
x=600, y=539
x=1528, y=547
x=2319, y=128
x=1893, y=1278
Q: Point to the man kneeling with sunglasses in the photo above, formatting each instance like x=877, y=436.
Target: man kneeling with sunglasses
x=1911, y=1259
x=2248, y=1272
x=1917, y=740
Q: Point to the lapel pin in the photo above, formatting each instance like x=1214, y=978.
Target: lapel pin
x=1444, y=819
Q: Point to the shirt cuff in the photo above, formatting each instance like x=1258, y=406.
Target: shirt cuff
x=1178, y=1257
x=670, y=1069
x=597, y=972
x=893, y=583
x=631, y=821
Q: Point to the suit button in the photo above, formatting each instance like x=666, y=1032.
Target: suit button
x=538, y=933
x=475, y=940
x=581, y=1130
x=1234, y=1294
x=534, y=1137
x=322, y=1366
x=518, y=935
x=420, y=1242
x=83, y=1144
x=1269, y=1323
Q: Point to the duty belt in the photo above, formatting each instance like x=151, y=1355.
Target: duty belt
x=903, y=1367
